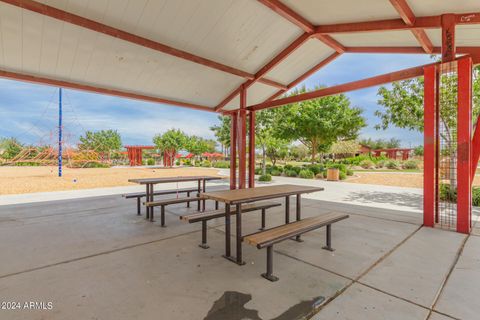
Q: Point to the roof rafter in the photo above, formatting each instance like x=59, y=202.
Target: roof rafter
x=429, y=22
x=77, y=20
x=407, y=50
x=269, y=66
x=111, y=92
x=349, y=86
x=301, y=22
x=408, y=17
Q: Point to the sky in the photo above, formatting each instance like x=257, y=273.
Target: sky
x=29, y=112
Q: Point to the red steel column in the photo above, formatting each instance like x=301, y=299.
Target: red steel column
x=448, y=37
x=233, y=150
x=251, y=149
x=464, y=150
x=242, y=140
x=429, y=146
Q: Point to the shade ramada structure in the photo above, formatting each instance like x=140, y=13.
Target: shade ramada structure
x=232, y=57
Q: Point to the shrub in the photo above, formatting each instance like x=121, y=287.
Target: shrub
x=288, y=167
x=380, y=164
x=222, y=164
x=206, y=164
x=177, y=163
x=315, y=168
x=349, y=172
x=392, y=164
x=278, y=168
x=342, y=175
x=297, y=169
x=150, y=162
x=476, y=197
x=320, y=175
x=367, y=164
x=306, y=174
x=410, y=164
x=258, y=171
x=265, y=177
x=291, y=173
x=275, y=172
x=449, y=194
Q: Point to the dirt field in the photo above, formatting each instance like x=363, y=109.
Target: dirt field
x=15, y=180
x=410, y=180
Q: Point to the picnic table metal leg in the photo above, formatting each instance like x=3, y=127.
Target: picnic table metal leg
x=269, y=274
x=227, y=231
x=216, y=205
x=139, y=209
x=239, y=235
x=162, y=216
x=329, y=239
x=263, y=220
x=147, y=199
x=151, y=200
x=198, y=195
x=299, y=214
x=204, y=244
x=188, y=203
x=287, y=209
x=203, y=201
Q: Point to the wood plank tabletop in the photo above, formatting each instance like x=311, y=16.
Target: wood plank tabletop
x=259, y=193
x=173, y=179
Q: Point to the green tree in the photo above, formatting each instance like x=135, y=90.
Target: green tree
x=222, y=132
x=320, y=122
x=381, y=143
x=104, y=142
x=197, y=145
x=171, y=141
x=10, y=148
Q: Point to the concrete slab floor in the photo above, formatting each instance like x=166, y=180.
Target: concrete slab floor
x=95, y=259
x=417, y=270
x=460, y=295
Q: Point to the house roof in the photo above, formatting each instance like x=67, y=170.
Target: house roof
x=198, y=53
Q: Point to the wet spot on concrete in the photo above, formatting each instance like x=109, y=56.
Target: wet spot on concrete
x=231, y=306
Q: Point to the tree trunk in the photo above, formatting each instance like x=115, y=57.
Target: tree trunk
x=314, y=151
x=264, y=162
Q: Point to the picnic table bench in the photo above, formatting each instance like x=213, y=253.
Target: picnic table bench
x=139, y=195
x=206, y=216
x=150, y=182
x=267, y=238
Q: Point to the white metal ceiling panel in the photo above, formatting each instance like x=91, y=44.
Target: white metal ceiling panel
x=341, y=11
x=435, y=7
x=257, y=93
x=467, y=35
x=300, y=61
x=240, y=33
x=402, y=38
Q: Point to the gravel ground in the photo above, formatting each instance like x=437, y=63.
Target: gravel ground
x=17, y=180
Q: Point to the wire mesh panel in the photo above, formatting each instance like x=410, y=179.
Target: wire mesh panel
x=447, y=117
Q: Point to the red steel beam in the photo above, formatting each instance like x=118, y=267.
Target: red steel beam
x=251, y=150
x=350, y=86
x=464, y=142
x=409, y=50
x=65, y=16
x=428, y=22
x=448, y=37
x=233, y=150
x=408, y=17
x=289, y=14
x=302, y=23
x=429, y=146
x=269, y=66
x=111, y=92
x=304, y=76
x=242, y=139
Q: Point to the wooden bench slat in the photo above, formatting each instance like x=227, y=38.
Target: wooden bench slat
x=277, y=234
x=195, y=217
x=157, y=193
x=166, y=202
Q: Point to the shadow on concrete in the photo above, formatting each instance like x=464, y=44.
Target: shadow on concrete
x=410, y=200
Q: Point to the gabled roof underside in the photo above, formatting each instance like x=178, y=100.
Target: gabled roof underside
x=196, y=53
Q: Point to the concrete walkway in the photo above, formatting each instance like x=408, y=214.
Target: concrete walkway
x=94, y=258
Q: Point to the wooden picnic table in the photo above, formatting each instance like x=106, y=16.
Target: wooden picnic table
x=150, y=182
x=238, y=197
